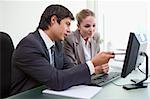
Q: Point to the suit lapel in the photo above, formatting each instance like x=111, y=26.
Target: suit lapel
x=58, y=55
x=79, y=48
x=93, y=49
x=43, y=46
x=58, y=51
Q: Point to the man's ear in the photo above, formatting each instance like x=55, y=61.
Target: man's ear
x=53, y=19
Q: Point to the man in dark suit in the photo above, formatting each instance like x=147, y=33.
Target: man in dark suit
x=33, y=61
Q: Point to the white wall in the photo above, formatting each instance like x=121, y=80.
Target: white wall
x=118, y=19
x=19, y=17
x=114, y=18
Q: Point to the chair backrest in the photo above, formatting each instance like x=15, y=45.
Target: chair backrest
x=6, y=50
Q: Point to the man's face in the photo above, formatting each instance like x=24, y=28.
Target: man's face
x=61, y=30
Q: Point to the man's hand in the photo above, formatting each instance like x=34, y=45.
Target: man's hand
x=102, y=58
x=102, y=69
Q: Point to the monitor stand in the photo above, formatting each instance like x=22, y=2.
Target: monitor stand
x=138, y=84
x=134, y=86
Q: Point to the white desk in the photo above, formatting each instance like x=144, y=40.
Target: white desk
x=112, y=91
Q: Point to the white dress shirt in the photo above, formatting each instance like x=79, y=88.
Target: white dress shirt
x=86, y=49
x=49, y=43
x=88, y=54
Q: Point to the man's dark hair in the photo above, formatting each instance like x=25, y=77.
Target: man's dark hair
x=59, y=11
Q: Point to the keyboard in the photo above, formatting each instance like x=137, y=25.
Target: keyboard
x=103, y=79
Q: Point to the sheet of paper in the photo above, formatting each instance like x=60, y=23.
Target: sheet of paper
x=81, y=91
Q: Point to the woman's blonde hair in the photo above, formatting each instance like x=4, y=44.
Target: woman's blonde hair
x=83, y=14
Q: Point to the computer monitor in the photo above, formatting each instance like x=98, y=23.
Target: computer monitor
x=137, y=43
x=136, y=50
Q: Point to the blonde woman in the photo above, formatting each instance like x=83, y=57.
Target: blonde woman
x=83, y=44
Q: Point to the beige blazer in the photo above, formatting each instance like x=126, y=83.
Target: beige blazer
x=74, y=50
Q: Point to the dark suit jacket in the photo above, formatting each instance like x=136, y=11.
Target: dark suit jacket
x=31, y=67
x=74, y=50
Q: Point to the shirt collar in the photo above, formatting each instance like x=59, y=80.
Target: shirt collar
x=83, y=41
x=49, y=43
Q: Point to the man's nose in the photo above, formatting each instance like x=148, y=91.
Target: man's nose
x=68, y=30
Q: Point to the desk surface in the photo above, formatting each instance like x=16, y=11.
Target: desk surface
x=110, y=91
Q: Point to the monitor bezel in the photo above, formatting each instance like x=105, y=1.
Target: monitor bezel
x=130, y=56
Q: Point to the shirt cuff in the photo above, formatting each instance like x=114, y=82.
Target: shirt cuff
x=91, y=67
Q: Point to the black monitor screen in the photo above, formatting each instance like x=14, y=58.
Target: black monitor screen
x=132, y=54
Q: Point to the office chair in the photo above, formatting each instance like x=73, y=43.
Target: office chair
x=6, y=50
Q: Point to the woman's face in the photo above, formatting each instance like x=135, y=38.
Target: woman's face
x=87, y=27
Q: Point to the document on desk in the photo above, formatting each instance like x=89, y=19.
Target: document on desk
x=81, y=92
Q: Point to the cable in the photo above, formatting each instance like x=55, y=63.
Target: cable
x=117, y=84
x=141, y=70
